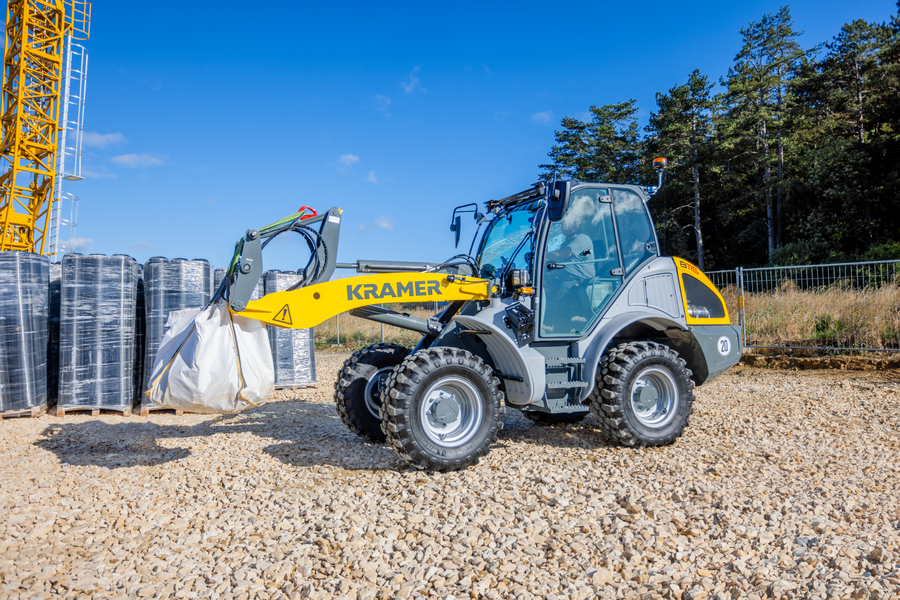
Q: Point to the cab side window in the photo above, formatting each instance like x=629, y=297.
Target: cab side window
x=635, y=229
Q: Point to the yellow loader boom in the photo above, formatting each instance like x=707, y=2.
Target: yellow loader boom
x=309, y=306
x=317, y=298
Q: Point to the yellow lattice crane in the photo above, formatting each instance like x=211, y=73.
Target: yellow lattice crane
x=37, y=66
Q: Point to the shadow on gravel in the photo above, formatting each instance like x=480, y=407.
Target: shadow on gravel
x=309, y=434
x=108, y=445
x=517, y=428
x=305, y=435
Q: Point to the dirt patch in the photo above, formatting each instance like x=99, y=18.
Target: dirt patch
x=839, y=363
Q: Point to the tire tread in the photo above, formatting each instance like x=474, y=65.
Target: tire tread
x=401, y=387
x=607, y=400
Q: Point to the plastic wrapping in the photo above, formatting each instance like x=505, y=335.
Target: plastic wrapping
x=53, y=343
x=140, y=328
x=24, y=330
x=97, y=331
x=211, y=361
x=258, y=291
x=293, y=350
x=170, y=285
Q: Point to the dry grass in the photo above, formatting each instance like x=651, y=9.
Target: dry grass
x=834, y=316
x=360, y=332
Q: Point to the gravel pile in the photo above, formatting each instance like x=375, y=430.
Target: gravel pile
x=785, y=485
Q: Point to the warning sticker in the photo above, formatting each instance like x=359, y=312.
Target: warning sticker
x=283, y=316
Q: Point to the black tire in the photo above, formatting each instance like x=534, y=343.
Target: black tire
x=359, y=387
x=422, y=395
x=630, y=416
x=542, y=418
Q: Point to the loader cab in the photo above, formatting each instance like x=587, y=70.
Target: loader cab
x=577, y=248
x=601, y=237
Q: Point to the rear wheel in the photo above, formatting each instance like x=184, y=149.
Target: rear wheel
x=442, y=409
x=360, y=385
x=543, y=418
x=643, y=396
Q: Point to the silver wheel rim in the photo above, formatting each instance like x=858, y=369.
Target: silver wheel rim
x=374, y=389
x=449, y=394
x=654, y=397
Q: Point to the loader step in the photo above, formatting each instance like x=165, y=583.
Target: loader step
x=564, y=385
x=564, y=361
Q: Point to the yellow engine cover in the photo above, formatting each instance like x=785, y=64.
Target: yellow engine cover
x=685, y=268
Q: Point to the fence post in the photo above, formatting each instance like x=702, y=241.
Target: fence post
x=740, y=284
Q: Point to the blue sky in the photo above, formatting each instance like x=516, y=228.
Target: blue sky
x=203, y=125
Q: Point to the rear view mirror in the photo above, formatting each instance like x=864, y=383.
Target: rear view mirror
x=559, y=200
x=455, y=227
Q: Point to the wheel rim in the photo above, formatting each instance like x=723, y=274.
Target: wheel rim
x=654, y=397
x=451, y=412
x=374, y=389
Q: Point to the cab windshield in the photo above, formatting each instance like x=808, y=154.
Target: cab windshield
x=501, y=239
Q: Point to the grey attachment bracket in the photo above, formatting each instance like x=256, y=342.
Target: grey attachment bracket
x=435, y=325
x=618, y=272
x=520, y=319
x=247, y=271
x=324, y=259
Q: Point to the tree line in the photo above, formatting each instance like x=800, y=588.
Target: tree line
x=794, y=160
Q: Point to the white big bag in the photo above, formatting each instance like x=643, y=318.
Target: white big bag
x=211, y=361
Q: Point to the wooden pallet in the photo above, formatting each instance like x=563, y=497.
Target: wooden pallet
x=146, y=409
x=34, y=411
x=95, y=411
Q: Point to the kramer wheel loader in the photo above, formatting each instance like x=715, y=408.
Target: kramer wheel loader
x=564, y=308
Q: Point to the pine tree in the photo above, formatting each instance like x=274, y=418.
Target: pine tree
x=679, y=131
x=606, y=149
x=756, y=101
x=849, y=67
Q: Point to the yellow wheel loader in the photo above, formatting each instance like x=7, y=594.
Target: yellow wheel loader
x=562, y=306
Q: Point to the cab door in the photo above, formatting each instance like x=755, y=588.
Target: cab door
x=581, y=268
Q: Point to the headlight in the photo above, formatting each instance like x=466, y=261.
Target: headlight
x=698, y=312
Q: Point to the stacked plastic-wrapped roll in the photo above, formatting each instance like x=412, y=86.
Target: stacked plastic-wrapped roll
x=97, y=331
x=171, y=285
x=258, y=291
x=53, y=343
x=24, y=330
x=293, y=350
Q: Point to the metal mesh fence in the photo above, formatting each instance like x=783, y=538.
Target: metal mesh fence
x=846, y=306
x=849, y=306
x=347, y=329
x=729, y=286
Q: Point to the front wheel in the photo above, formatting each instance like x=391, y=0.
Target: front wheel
x=441, y=409
x=643, y=396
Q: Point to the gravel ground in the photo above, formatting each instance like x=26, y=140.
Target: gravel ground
x=784, y=485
